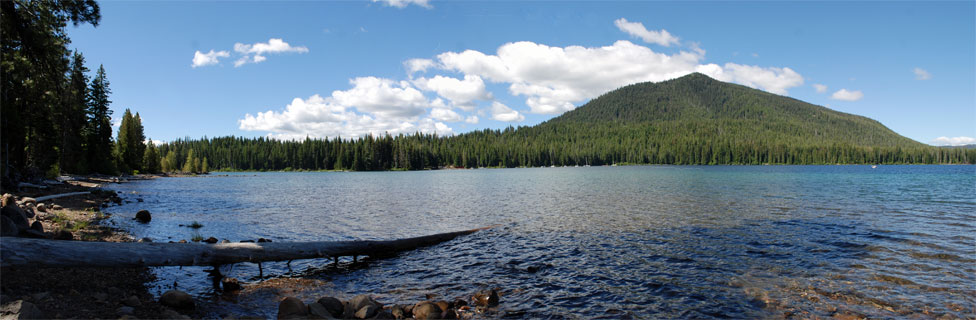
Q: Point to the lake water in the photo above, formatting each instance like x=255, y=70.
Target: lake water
x=645, y=241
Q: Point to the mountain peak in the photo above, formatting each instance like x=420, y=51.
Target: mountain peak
x=696, y=105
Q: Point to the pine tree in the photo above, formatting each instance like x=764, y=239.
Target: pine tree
x=99, y=128
x=150, y=159
x=73, y=118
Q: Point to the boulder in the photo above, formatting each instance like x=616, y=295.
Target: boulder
x=318, y=311
x=143, y=216
x=358, y=302
x=177, y=299
x=367, y=312
x=21, y=309
x=56, y=207
x=64, y=235
x=486, y=298
x=426, y=310
x=37, y=226
x=17, y=215
x=292, y=308
x=398, y=312
x=333, y=305
x=230, y=284
x=26, y=200
x=41, y=207
x=145, y=239
x=8, y=228
x=211, y=240
x=132, y=301
x=8, y=199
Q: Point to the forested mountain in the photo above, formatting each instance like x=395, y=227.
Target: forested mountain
x=690, y=120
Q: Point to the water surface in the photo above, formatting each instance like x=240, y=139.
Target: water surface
x=647, y=241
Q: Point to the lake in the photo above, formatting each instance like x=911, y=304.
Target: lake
x=642, y=241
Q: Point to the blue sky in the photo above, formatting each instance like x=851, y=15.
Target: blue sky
x=324, y=68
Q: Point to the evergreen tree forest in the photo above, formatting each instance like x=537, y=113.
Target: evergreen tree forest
x=53, y=118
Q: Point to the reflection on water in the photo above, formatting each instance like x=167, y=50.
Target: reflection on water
x=655, y=241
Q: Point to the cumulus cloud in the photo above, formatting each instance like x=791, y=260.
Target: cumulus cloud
x=922, y=74
x=248, y=53
x=471, y=119
x=845, y=95
x=324, y=117
x=502, y=112
x=414, y=65
x=772, y=79
x=637, y=29
x=404, y=3
x=382, y=97
x=446, y=115
x=820, y=88
x=461, y=92
x=954, y=141
x=554, y=79
x=255, y=53
x=201, y=59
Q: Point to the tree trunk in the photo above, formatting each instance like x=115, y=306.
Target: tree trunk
x=55, y=253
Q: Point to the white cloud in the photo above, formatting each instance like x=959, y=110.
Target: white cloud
x=382, y=97
x=323, y=117
x=820, y=88
x=414, y=65
x=502, y=112
x=637, y=29
x=201, y=59
x=255, y=53
x=772, y=79
x=954, y=141
x=554, y=79
x=921, y=74
x=462, y=93
x=845, y=95
x=471, y=119
x=404, y=3
x=446, y=115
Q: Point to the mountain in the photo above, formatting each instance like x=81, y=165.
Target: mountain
x=699, y=106
x=689, y=120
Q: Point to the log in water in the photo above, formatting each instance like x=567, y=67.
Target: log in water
x=54, y=253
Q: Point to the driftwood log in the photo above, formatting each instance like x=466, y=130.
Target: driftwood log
x=55, y=253
x=61, y=195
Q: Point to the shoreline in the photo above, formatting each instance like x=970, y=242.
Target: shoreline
x=54, y=293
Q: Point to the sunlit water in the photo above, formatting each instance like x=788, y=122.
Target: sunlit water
x=649, y=241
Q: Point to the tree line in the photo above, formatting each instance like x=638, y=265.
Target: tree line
x=523, y=147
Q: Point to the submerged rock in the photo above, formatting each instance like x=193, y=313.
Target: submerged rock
x=143, y=216
x=177, y=299
x=292, y=308
x=486, y=298
x=230, y=284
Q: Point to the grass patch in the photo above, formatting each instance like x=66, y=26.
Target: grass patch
x=195, y=225
x=196, y=237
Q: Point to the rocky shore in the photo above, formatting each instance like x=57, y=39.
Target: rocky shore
x=86, y=293
x=123, y=293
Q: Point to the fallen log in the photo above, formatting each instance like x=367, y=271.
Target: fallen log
x=55, y=253
x=61, y=195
